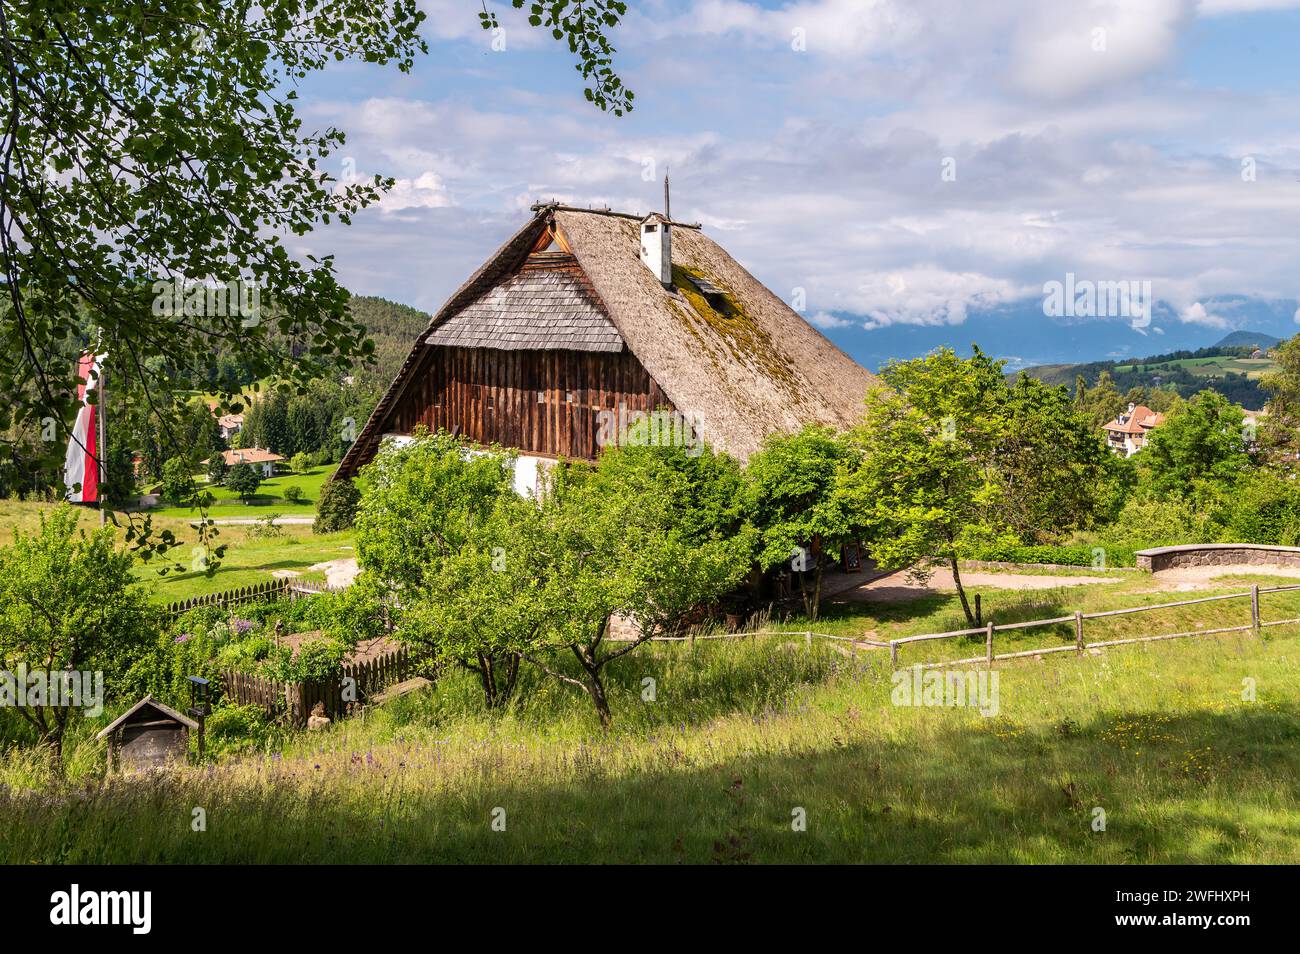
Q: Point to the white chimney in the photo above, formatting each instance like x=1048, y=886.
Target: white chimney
x=657, y=247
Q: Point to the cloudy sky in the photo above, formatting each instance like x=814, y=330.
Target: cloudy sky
x=919, y=167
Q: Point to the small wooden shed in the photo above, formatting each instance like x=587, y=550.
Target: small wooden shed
x=148, y=735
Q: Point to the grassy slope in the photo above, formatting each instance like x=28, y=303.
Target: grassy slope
x=1211, y=367
x=739, y=736
x=249, y=559
x=268, y=499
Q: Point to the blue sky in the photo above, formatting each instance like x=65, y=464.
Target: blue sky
x=1103, y=139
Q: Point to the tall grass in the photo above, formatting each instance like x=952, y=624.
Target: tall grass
x=737, y=736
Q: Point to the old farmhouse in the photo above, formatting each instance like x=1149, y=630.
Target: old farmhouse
x=587, y=318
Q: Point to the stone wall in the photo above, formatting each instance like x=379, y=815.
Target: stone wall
x=1216, y=554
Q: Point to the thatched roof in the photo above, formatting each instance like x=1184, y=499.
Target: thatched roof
x=729, y=354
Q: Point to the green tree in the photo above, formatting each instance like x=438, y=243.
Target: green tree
x=1280, y=434
x=1102, y=402
x=217, y=468
x=444, y=531
x=796, y=501
x=178, y=484
x=1203, y=442
x=160, y=140
x=300, y=463
x=336, y=507
x=1054, y=471
x=618, y=543
x=155, y=165
x=243, y=480
x=927, y=487
x=68, y=601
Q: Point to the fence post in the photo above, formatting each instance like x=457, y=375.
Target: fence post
x=1078, y=630
x=1254, y=609
x=893, y=654
x=988, y=643
x=808, y=638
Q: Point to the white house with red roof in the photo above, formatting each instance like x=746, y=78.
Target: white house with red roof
x=1127, y=434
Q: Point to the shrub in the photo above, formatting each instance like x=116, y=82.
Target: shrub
x=244, y=655
x=265, y=528
x=300, y=463
x=293, y=494
x=232, y=729
x=317, y=660
x=1264, y=509
x=337, y=507
x=163, y=670
x=354, y=614
x=1075, y=554
x=234, y=722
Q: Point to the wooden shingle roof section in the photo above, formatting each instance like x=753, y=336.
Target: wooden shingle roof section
x=547, y=305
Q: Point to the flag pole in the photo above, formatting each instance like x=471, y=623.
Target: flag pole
x=101, y=411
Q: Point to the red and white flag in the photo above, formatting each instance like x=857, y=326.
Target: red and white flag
x=81, y=466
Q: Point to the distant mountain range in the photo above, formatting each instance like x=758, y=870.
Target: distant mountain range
x=1025, y=337
x=1226, y=366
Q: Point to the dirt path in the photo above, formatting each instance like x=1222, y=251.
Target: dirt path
x=250, y=521
x=897, y=588
x=340, y=572
x=1182, y=579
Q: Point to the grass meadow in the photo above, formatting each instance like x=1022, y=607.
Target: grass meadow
x=734, y=741
x=269, y=498
x=251, y=556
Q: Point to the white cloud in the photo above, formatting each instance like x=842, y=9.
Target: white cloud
x=825, y=320
x=1196, y=314
x=928, y=296
x=427, y=191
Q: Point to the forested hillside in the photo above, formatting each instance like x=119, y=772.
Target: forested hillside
x=1228, y=369
x=165, y=424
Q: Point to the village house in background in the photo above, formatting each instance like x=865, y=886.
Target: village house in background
x=261, y=460
x=1127, y=434
x=229, y=425
x=585, y=322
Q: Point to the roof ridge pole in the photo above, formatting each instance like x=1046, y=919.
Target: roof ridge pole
x=668, y=214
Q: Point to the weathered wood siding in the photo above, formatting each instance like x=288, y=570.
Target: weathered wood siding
x=539, y=402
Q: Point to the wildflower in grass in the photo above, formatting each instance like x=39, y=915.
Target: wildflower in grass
x=183, y=638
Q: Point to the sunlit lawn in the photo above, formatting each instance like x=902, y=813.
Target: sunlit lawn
x=268, y=499
x=249, y=559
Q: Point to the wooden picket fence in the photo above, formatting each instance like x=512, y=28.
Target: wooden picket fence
x=295, y=700
x=288, y=588
x=1078, y=618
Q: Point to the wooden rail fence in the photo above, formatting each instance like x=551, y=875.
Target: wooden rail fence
x=1078, y=618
